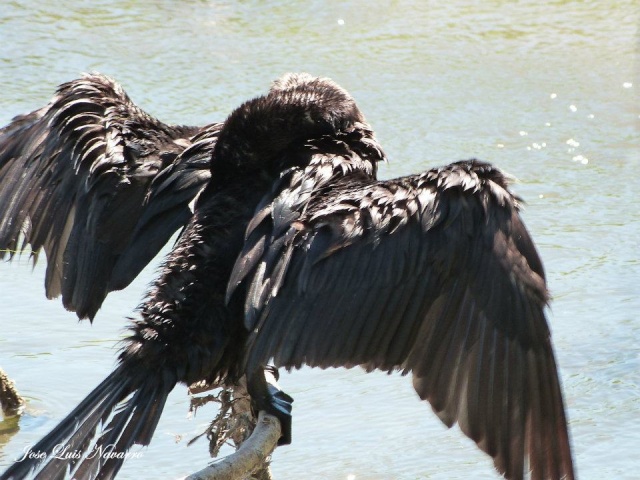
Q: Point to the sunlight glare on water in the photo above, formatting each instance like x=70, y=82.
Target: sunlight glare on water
x=548, y=91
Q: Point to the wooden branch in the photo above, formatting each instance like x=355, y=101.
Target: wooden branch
x=255, y=440
x=10, y=400
x=252, y=455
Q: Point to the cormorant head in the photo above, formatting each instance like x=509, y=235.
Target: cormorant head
x=297, y=109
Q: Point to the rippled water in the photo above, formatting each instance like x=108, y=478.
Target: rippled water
x=549, y=91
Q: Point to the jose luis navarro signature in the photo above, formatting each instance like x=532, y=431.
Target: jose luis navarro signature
x=63, y=452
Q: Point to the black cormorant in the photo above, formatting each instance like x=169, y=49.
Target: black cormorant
x=296, y=253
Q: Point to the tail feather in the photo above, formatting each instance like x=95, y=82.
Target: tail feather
x=139, y=430
x=72, y=431
x=134, y=423
x=91, y=464
x=66, y=454
x=69, y=446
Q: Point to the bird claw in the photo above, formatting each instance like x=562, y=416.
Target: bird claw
x=277, y=403
x=280, y=406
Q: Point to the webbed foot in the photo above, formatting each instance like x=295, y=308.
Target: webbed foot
x=267, y=395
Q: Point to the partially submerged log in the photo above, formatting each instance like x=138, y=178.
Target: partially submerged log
x=10, y=400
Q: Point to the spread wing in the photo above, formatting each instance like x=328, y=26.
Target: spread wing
x=99, y=184
x=433, y=274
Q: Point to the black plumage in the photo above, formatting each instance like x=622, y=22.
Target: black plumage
x=99, y=184
x=296, y=253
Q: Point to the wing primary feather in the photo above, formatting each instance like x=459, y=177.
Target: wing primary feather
x=446, y=362
x=449, y=378
x=477, y=355
x=362, y=328
x=317, y=348
x=535, y=429
x=366, y=334
x=72, y=168
x=394, y=319
x=519, y=406
x=499, y=414
x=404, y=341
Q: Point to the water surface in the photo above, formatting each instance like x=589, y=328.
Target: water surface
x=549, y=91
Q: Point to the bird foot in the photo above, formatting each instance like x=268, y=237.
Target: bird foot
x=279, y=405
x=268, y=396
